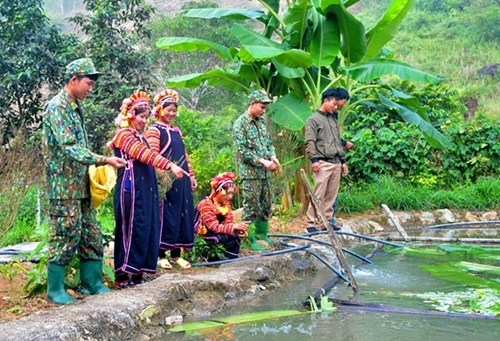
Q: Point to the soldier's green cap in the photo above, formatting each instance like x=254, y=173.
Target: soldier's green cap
x=259, y=96
x=81, y=67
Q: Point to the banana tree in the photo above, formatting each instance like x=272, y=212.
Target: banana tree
x=313, y=46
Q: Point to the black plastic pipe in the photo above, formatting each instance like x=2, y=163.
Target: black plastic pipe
x=265, y=254
x=328, y=265
x=322, y=242
x=362, y=236
x=463, y=224
x=353, y=305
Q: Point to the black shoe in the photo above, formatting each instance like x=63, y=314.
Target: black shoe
x=311, y=229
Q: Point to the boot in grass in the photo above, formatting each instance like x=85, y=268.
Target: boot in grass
x=91, y=275
x=253, y=238
x=55, y=285
x=261, y=231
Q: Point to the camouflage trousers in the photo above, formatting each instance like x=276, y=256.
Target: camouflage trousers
x=74, y=228
x=256, y=199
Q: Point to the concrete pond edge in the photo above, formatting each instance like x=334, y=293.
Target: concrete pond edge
x=143, y=312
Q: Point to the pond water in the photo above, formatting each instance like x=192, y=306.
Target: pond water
x=383, y=283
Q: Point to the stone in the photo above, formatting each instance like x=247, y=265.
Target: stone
x=404, y=217
x=427, y=218
x=489, y=70
x=471, y=217
x=445, y=216
x=173, y=320
x=488, y=216
x=375, y=226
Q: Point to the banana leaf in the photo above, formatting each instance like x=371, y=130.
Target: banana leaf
x=290, y=111
x=236, y=319
x=431, y=134
x=325, y=44
x=353, y=46
x=226, y=77
x=376, y=68
x=229, y=13
x=185, y=44
x=385, y=30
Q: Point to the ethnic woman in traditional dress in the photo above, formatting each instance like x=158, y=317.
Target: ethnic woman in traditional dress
x=214, y=217
x=137, y=230
x=177, y=207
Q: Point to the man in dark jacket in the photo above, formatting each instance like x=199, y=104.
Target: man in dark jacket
x=325, y=149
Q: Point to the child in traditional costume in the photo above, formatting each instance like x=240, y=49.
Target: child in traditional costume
x=214, y=217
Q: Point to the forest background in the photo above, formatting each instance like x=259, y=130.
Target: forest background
x=392, y=162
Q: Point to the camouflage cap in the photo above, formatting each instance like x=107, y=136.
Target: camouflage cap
x=259, y=96
x=81, y=67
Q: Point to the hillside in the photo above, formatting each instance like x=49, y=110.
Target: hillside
x=450, y=38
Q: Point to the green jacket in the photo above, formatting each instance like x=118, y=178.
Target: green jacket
x=65, y=149
x=252, y=142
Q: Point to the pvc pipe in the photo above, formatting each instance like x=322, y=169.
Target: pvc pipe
x=322, y=242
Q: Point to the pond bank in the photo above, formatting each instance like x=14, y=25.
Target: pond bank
x=141, y=312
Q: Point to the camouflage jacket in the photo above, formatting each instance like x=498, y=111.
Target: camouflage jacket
x=65, y=149
x=252, y=142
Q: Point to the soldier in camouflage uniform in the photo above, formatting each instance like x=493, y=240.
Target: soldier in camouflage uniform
x=256, y=159
x=72, y=217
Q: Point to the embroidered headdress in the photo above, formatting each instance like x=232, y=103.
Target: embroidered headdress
x=139, y=99
x=223, y=180
x=166, y=96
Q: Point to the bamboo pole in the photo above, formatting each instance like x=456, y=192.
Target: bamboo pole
x=396, y=223
x=333, y=237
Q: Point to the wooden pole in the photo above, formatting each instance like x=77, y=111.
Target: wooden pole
x=333, y=237
x=396, y=223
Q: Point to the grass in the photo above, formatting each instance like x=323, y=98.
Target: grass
x=402, y=195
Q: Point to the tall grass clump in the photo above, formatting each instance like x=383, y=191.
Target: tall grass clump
x=21, y=170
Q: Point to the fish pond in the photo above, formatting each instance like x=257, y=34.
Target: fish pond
x=420, y=292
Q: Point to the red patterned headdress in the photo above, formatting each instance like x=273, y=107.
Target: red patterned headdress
x=139, y=99
x=166, y=96
x=223, y=180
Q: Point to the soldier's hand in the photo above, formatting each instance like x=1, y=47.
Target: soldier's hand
x=116, y=162
x=275, y=160
x=268, y=164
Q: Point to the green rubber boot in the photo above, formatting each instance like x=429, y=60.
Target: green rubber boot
x=55, y=285
x=261, y=230
x=253, y=239
x=91, y=275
